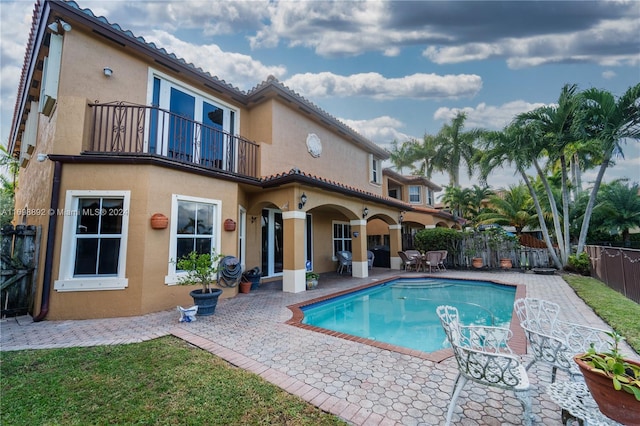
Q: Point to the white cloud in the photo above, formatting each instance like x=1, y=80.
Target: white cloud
x=374, y=85
x=235, y=68
x=487, y=116
x=608, y=74
x=381, y=130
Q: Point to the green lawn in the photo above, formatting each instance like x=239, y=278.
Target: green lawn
x=622, y=314
x=163, y=381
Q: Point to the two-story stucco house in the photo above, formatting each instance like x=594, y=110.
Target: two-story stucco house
x=112, y=130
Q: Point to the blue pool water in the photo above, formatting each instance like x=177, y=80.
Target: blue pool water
x=403, y=312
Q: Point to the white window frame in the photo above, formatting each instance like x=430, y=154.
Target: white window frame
x=430, y=195
x=419, y=194
x=375, y=172
x=166, y=83
x=173, y=277
x=343, y=238
x=66, y=281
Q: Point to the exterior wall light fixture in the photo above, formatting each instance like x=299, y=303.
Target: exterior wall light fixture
x=365, y=212
x=108, y=72
x=303, y=201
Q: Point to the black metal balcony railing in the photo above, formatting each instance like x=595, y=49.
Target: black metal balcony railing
x=138, y=129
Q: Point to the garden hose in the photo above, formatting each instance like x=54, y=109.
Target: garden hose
x=229, y=272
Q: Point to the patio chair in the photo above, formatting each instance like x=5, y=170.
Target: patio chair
x=443, y=258
x=370, y=258
x=432, y=260
x=484, y=357
x=408, y=262
x=554, y=341
x=344, y=261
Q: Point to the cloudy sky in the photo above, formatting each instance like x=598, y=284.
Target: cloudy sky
x=390, y=70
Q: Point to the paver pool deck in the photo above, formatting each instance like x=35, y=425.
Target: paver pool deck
x=363, y=384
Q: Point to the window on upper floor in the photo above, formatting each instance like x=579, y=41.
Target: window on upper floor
x=393, y=193
x=375, y=170
x=414, y=194
x=430, y=200
x=197, y=126
x=94, y=241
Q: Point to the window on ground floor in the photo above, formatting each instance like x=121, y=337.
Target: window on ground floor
x=94, y=241
x=195, y=226
x=341, y=237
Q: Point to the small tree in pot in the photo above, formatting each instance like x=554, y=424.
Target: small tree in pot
x=201, y=269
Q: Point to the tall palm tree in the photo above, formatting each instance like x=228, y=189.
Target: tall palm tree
x=400, y=155
x=518, y=145
x=611, y=123
x=453, y=146
x=554, y=125
x=9, y=163
x=424, y=154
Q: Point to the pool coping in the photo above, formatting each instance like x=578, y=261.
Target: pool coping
x=517, y=343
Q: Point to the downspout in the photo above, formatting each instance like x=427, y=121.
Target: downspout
x=51, y=237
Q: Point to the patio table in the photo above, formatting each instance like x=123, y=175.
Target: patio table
x=575, y=398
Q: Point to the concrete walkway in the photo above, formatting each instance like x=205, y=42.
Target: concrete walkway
x=362, y=384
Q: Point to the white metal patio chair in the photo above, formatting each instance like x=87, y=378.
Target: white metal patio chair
x=484, y=357
x=554, y=341
x=370, y=258
x=344, y=261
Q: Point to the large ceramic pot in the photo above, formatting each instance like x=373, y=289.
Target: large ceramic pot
x=206, y=302
x=618, y=405
x=477, y=262
x=505, y=263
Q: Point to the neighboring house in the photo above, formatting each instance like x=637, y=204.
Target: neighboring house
x=112, y=130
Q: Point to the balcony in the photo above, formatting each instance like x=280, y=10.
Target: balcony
x=121, y=128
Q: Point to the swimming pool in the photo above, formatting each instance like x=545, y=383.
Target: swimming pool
x=402, y=312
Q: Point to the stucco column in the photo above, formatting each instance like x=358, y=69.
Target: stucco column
x=293, y=273
x=395, y=245
x=359, y=267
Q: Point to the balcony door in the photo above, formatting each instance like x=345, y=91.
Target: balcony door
x=197, y=128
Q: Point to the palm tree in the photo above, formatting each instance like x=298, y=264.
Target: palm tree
x=10, y=164
x=453, y=145
x=400, y=154
x=554, y=126
x=424, y=154
x=457, y=200
x=517, y=144
x=611, y=123
x=513, y=207
x=620, y=208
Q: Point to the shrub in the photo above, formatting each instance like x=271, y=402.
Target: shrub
x=438, y=239
x=579, y=264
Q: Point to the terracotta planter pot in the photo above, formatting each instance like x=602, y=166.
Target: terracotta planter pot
x=618, y=405
x=477, y=262
x=159, y=221
x=505, y=263
x=245, y=286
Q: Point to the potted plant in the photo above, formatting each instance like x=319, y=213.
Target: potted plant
x=201, y=269
x=614, y=381
x=312, y=280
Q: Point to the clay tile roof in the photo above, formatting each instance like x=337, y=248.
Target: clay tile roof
x=296, y=174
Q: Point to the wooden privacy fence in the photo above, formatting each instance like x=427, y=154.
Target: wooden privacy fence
x=19, y=249
x=618, y=268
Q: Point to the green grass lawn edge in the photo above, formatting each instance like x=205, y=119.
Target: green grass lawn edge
x=621, y=313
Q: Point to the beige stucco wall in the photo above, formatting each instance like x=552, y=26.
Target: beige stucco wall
x=147, y=249
x=340, y=161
